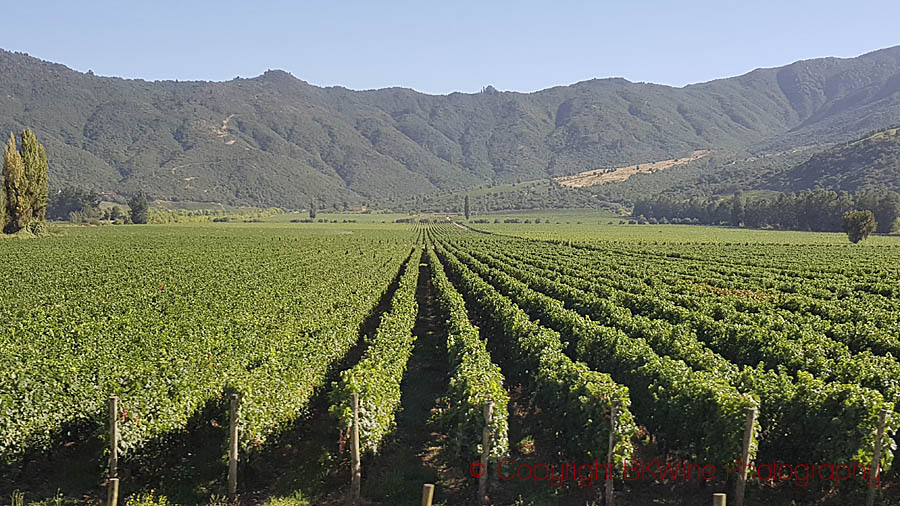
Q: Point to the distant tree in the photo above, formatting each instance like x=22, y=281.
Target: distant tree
x=859, y=224
x=71, y=199
x=346, y=206
x=884, y=204
x=312, y=209
x=116, y=213
x=18, y=210
x=37, y=190
x=466, y=207
x=140, y=209
x=737, y=210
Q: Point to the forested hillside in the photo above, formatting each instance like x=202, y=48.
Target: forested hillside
x=276, y=140
x=870, y=162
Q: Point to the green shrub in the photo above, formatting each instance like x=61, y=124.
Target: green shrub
x=39, y=228
x=148, y=499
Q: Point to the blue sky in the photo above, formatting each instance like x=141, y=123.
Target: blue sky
x=452, y=45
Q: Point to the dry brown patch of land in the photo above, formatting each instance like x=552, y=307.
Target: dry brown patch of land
x=601, y=176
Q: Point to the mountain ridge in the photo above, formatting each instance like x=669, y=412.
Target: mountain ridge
x=288, y=141
x=609, y=78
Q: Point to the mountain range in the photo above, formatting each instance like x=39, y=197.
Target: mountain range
x=277, y=140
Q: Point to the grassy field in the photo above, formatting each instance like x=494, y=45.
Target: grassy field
x=369, y=218
x=589, y=225
x=602, y=231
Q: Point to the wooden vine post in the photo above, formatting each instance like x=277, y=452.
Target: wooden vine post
x=485, y=450
x=112, y=497
x=610, y=497
x=427, y=494
x=718, y=499
x=745, y=456
x=233, y=446
x=355, y=467
x=875, y=467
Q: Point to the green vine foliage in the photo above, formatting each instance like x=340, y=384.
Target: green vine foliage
x=247, y=311
x=377, y=376
x=694, y=359
x=474, y=379
x=580, y=399
x=785, y=397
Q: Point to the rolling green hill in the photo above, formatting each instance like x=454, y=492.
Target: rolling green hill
x=276, y=140
x=870, y=162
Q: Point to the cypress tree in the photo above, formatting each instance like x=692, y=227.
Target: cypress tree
x=140, y=209
x=737, y=210
x=35, y=158
x=17, y=209
x=466, y=207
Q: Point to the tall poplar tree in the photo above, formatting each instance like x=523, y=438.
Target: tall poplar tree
x=17, y=205
x=2, y=202
x=37, y=190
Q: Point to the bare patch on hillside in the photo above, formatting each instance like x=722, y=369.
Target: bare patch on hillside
x=601, y=176
x=223, y=132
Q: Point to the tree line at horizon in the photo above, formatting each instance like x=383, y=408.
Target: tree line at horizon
x=79, y=205
x=811, y=210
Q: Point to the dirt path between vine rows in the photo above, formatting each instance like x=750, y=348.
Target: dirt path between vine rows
x=412, y=456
